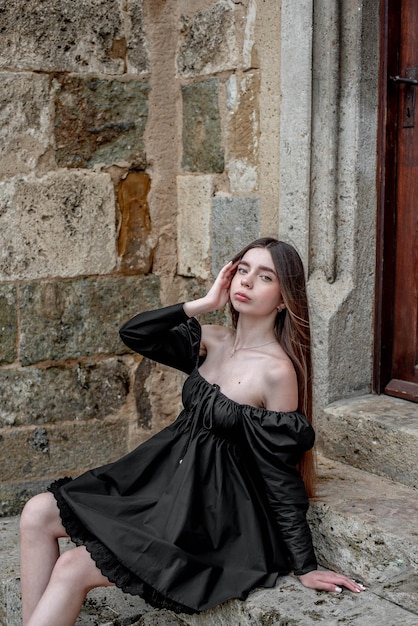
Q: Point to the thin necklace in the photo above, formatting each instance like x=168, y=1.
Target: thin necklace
x=251, y=347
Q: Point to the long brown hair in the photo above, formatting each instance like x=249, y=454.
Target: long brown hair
x=292, y=330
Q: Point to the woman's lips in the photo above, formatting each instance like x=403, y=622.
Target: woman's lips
x=242, y=297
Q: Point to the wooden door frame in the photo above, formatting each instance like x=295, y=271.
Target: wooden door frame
x=390, y=22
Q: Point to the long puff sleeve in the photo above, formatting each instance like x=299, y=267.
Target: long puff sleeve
x=165, y=335
x=275, y=443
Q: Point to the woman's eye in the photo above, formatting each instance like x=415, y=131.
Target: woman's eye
x=266, y=278
x=242, y=270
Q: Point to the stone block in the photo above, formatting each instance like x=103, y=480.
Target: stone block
x=8, y=324
x=88, y=390
x=235, y=223
x=137, y=56
x=365, y=526
x=202, y=140
x=26, y=124
x=13, y=496
x=99, y=120
x=60, y=225
x=378, y=434
x=135, y=246
x=243, y=133
x=208, y=41
x=194, y=194
x=142, y=397
x=62, y=36
x=33, y=453
x=62, y=320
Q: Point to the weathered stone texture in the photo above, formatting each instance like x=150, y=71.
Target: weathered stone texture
x=208, y=41
x=142, y=399
x=164, y=391
x=235, y=223
x=137, y=51
x=26, y=124
x=135, y=246
x=243, y=133
x=61, y=35
x=83, y=391
x=8, y=324
x=14, y=496
x=62, y=320
x=202, y=140
x=60, y=225
x=368, y=432
x=99, y=120
x=194, y=195
x=67, y=448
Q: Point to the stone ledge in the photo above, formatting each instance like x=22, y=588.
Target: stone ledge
x=362, y=525
x=378, y=434
x=365, y=526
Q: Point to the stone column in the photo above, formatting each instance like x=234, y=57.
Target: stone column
x=327, y=179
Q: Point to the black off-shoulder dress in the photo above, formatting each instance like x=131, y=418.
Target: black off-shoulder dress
x=209, y=508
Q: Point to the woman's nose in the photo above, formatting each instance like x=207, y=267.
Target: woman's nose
x=245, y=280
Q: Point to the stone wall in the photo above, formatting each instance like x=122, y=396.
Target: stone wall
x=142, y=143
x=129, y=172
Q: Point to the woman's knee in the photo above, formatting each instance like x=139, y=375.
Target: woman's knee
x=40, y=513
x=75, y=567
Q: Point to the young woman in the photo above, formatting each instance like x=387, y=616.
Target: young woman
x=215, y=504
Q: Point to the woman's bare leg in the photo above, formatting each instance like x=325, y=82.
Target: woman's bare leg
x=40, y=527
x=73, y=576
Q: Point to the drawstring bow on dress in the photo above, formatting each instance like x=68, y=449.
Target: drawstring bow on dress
x=208, y=396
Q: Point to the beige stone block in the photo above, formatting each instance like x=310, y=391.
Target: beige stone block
x=26, y=124
x=60, y=225
x=208, y=40
x=243, y=133
x=62, y=35
x=194, y=194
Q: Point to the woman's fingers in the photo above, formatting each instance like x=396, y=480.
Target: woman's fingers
x=228, y=271
x=325, y=580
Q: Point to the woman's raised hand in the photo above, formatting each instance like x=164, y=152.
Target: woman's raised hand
x=324, y=580
x=218, y=294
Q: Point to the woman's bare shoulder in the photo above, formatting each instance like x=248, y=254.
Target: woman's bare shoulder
x=281, y=387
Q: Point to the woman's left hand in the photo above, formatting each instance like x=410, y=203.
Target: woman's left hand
x=325, y=580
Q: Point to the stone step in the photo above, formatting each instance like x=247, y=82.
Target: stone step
x=366, y=526
x=362, y=524
x=378, y=434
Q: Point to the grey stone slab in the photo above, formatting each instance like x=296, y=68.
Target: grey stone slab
x=87, y=390
x=376, y=433
x=13, y=496
x=290, y=604
x=202, y=137
x=70, y=319
x=29, y=454
x=235, y=223
x=8, y=324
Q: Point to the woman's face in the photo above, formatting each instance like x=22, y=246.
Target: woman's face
x=255, y=288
